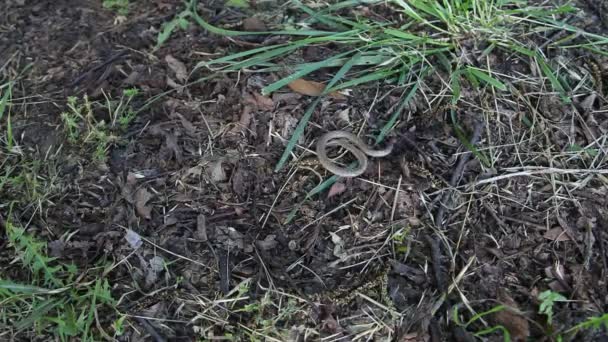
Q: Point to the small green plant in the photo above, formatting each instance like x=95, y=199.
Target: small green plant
x=119, y=6
x=548, y=299
x=54, y=302
x=72, y=119
x=476, y=317
x=400, y=240
x=121, y=111
x=180, y=21
x=82, y=126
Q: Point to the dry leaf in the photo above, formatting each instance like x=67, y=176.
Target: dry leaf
x=171, y=83
x=263, y=102
x=173, y=146
x=344, y=115
x=254, y=24
x=556, y=234
x=268, y=243
x=339, y=249
x=244, y=120
x=126, y=189
x=133, y=239
x=311, y=88
x=179, y=68
x=587, y=103
x=188, y=126
x=511, y=318
x=142, y=196
x=217, y=171
x=336, y=189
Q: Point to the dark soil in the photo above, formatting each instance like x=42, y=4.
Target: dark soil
x=192, y=180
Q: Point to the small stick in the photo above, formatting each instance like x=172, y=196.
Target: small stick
x=456, y=176
x=150, y=329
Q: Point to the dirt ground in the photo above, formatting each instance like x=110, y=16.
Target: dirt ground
x=204, y=240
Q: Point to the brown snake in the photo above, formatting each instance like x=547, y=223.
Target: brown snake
x=354, y=145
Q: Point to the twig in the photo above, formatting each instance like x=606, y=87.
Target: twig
x=150, y=329
x=538, y=171
x=223, y=265
x=456, y=176
x=436, y=259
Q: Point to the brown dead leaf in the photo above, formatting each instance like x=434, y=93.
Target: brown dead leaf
x=336, y=189
x=244, y=120
x=142, y=196
x=126, y=189
x=254, y=24
x=311, y=88
x=179, y=68
x=188, y=126
x=556, y=234
x=173, y=146
x=511, y=318
x=263, y=102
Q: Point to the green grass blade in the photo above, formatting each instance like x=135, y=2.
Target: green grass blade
x=9, y=133
x=38, y=313
x=414, y=38
x=518, y=47
x=391, y=121
x=297, y=133
x=5, y=99
x=21, y=288
x=555, y=83
x=466, y=142
x=482, y=76
x=374, y=76
x=506, y=335
x=341, y=73
x=230, y=33
x=317, y=16
x=263, y=54
x=485, y=313
x=234, y=57
x=363, y=60
x=455, y=83
x=300, y=73
x=409, y=10
x=434, y=10
x=350, y=3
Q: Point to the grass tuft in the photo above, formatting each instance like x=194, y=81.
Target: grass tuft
x=56, y=301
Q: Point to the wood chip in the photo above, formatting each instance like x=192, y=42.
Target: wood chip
x=556, y=234
x=179, y=68
x=142, y=196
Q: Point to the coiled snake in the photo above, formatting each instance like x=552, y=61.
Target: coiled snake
x=354, y=145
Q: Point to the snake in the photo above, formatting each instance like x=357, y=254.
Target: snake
x=354, y=145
